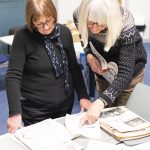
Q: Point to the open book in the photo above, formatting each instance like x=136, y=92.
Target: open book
x=123, y=124
x=111, y=67
x=46, y=135
x=72, y=123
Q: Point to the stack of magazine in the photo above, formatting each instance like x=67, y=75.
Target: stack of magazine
x=123, y=124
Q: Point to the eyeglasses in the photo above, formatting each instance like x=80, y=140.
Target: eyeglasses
x=90, y=23
x=41, y=25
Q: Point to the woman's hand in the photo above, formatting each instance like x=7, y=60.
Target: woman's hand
x=84, y=104
x=95, y=64
x=14, y=123
x=93, y=113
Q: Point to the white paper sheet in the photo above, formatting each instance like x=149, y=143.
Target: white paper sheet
x=90, y=131
x=45, y=135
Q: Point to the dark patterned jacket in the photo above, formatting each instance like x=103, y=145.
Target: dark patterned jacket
x=128, y=52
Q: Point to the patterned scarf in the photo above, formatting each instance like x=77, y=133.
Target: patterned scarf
x=61, y=69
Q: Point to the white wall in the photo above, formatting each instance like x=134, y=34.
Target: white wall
x=139, y=8
x=65, y=9
x=55, y=3
x=141, y=12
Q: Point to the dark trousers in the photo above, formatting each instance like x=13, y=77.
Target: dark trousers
x=35, y=111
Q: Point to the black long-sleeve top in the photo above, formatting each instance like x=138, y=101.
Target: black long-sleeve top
x=128, y=53
x=31, y=74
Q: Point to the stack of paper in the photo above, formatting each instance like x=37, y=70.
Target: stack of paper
x=123, y=124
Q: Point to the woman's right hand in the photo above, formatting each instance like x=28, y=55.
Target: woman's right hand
x=14, y=123
x=93, y=113
x=95, y=64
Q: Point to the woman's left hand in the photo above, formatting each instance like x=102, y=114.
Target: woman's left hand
x=84, y=104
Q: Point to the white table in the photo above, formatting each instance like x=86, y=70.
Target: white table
x=7, y=39
x=8, y=141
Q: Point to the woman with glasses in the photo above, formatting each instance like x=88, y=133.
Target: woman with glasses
x=109, y=29
x=43, y=69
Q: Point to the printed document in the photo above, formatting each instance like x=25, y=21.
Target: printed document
x=72, y=123
x=45, y=135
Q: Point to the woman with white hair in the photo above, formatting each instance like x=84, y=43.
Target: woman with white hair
x=110, y=29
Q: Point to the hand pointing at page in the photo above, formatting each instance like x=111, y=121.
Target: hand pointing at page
x=93, y=113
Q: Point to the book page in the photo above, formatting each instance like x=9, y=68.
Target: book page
x=72, y=123
x=44, y=135
x=123, y=120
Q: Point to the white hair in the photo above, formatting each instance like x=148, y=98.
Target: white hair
x=103, y=12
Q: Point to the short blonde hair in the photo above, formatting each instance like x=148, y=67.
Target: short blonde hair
x=103, y=12
x=37, y=8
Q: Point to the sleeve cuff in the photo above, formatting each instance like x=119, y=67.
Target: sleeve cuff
x=108, y=100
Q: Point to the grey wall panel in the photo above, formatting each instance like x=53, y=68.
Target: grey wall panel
x=11, y=15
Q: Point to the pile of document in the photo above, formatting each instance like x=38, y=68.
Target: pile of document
x=123, y=124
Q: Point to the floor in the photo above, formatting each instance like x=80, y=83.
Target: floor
x=76, y=108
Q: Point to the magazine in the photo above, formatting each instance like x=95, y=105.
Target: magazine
x=46, y=135
x=111, y=67
x=123, y=124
